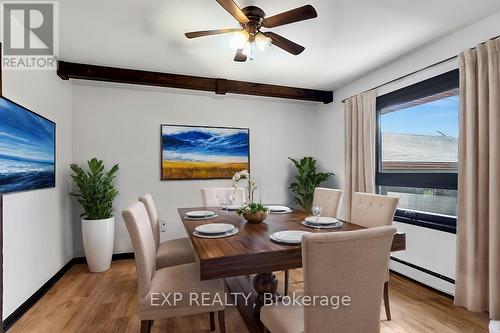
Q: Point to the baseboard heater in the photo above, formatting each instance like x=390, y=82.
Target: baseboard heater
x=425, y=270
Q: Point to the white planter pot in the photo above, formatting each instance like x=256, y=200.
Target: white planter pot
x=98, y=236
x=494, y=326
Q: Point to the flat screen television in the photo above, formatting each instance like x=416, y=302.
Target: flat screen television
x=27, y=149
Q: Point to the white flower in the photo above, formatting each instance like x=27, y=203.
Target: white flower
x=243, y=174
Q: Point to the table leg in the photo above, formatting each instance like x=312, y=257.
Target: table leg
x=257, y=287
x=265, y=284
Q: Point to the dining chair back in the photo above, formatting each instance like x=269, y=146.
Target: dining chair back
x=183, y=279
x=328, y=199
x=210, y=195
x=147, y=200
x=373, y=210
x=349, y=268
x=137, y=222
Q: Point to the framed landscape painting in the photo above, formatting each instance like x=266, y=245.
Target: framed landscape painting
x=202, y=152
x=27, y=149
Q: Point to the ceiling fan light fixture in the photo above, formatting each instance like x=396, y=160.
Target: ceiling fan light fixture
x=249, y=50
x=262, y=41
x=239, y=39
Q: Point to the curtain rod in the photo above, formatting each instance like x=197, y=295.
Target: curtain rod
x=417, y=71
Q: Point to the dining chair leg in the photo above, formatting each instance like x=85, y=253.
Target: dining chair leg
x=386, y=301
x=287, y=277
x=212, y=321
x=146, y=326
x=222, y=321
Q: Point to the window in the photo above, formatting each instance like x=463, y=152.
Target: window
x=417, y=151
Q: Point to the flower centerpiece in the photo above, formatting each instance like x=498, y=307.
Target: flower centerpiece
x=252, y=212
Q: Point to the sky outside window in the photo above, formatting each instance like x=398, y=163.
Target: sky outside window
x=425, y=119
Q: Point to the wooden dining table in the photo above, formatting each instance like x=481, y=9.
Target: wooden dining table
x=246, y=261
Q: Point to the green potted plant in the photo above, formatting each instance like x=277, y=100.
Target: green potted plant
x=307, y=179
x=251, y=211
x=95, y=193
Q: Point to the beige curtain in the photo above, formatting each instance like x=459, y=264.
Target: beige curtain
x=478, y=235
x=360, y=112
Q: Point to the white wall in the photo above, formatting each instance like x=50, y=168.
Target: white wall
x=37, y=224
x=121, y=124
x=427, y=248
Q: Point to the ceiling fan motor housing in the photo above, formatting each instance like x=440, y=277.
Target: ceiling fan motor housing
x=255, y=16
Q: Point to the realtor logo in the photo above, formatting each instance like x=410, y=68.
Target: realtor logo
x=29, y=35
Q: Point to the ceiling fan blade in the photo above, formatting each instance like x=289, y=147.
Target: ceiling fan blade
x=196, y=34
x=240, y=57
x=295, y=15
x=234, y=10
x=284, y=43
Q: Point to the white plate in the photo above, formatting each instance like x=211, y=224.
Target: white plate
x=322, y=226
x=284, y=212
x=289, y=236
x=227, y=234
x=278, y=209
x=214, y=228
x=234, y=207
x=201, y=218
x=321, y=220
x=200, y=213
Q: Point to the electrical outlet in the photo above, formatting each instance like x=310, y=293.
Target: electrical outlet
x=163, y=225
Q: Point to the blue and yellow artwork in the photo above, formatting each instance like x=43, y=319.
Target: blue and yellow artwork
x=191, y=152
x=27, y=149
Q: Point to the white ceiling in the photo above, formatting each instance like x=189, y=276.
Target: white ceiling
x=349, y=37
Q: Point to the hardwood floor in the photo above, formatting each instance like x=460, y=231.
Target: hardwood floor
x=106, y=302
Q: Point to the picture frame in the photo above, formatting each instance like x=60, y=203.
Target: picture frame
x=26, y=165
x=195, y=152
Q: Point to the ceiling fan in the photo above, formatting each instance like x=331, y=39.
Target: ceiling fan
x=249, y=36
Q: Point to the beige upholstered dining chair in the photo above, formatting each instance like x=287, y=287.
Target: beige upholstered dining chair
x=355, y=268
x=152, y=283
x=172, y=252
x=374, y=210
x=328, y=199
x=210, y=194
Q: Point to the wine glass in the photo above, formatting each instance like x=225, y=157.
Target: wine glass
x=317, y=213
x=230, y=198
x=221, y=199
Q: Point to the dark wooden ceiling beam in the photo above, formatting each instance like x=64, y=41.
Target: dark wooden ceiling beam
x=70, y=70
